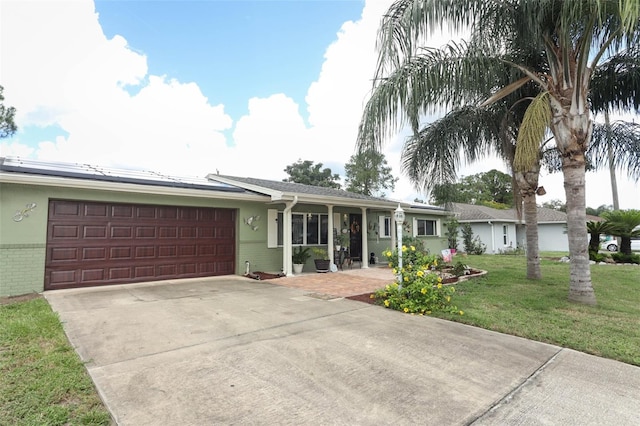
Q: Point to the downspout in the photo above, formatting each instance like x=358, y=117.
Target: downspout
x=493, y=238
x=287, y=249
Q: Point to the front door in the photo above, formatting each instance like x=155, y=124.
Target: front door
x=355, y=236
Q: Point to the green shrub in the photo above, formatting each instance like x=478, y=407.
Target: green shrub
x=422, y=291
x=597, y=257
x=626, y=258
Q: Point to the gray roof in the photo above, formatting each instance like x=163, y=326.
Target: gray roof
x=478, y=213
x=296, y=188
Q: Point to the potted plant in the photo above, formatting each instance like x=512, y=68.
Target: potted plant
x=342, y=240
x=321, y=259
x=299, y=258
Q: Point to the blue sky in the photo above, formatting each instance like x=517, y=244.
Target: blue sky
x=190, y=87
x=234, y=50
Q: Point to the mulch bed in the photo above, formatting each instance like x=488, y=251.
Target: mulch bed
x=263, y=275
x=366, y=298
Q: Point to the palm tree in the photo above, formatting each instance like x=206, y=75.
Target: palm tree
x=595, y=229
x=573, y=39
x=626, y=225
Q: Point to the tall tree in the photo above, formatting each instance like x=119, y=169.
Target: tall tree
x=307, y=173
x=7, y=124
x=367, y=173
x=492, y=186
x=572, y=40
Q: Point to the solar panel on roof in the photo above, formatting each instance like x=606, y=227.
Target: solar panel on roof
x=101, y=173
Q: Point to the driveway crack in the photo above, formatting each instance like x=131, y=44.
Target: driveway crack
x=508, y=397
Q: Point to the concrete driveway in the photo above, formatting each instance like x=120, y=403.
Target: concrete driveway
x=232, y=350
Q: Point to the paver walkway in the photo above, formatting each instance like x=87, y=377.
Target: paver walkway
x=349, y=282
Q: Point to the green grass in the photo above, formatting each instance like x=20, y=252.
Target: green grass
x=505, y=301
x=42, y=380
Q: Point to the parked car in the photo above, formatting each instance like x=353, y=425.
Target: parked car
x=612, y=245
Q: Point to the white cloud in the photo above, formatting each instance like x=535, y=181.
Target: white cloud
x=65, y=71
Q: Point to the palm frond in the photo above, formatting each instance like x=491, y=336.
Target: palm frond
x=435, y=79
x=433, y=156
x=534, y=126
x=615, y=84
x=620, y=144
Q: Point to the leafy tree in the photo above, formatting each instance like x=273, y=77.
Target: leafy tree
x=492, y=186
x=598, y=211
x=452, y=226
x=626, y=225
x=555, y=204
x=7, y=125
x=367, y=173
x=570, y=41
x=307, y=173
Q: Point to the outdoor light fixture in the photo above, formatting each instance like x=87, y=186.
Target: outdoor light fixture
x=399, y=216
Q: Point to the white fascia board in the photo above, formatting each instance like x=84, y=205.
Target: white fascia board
x=24, y=179
x=338, y=201
x=275, y=195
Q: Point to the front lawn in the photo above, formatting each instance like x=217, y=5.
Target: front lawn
x=505, y=301
x=42, y=380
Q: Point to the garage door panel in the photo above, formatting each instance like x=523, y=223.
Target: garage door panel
x=146, y=232
x=121, y=232
x=99, y=243
x=63, y=254
x=144, y=252
x=97, y=231
x=168, y=232
x=148, y=212
x=92, y=275
x=122, y=212
x=96, y=210
x=94, y=253
x=121, y=253
x=65, y=231
x=65, y=209
x=63, y=278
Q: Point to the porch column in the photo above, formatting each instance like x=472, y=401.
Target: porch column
x=394, y=237
x=365, y=239
x=287, y=250
x=330, y=246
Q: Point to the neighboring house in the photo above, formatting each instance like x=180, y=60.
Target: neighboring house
x=70, y=225
x=501, y=230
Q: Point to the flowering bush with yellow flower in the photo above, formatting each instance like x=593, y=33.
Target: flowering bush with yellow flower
x=422, y=291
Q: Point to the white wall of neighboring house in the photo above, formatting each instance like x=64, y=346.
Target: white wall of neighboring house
x=493, y=235
x=552, y=237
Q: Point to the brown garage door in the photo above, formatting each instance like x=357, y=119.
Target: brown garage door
x=91, y=244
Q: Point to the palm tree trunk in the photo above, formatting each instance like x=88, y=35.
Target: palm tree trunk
x=527, y=185
x=612, y=169
x=531, y=220
x=580, y=289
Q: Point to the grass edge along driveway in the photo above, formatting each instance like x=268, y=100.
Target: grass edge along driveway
x=42, y=379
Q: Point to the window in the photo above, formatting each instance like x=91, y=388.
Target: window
x=505, y=234
x=424, y=227
x=306, y=229
x=385, y=226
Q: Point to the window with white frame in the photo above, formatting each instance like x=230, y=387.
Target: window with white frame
x=425, y=227
x=306, y=228
x=384, y=223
